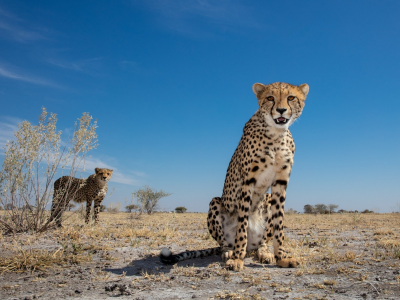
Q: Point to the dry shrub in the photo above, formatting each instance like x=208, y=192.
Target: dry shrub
x=114, y=208
x=148, y=198
x=30, y=164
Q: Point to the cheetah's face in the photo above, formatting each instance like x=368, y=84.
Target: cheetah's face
x=281, y=103
x=103, y=174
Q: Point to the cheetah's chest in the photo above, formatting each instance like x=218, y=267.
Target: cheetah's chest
x=255, y=230
x=101, y=193
x=96, y=193
x=276, y=159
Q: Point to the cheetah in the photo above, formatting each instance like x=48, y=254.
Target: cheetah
x=80, y=190
x=246, y=218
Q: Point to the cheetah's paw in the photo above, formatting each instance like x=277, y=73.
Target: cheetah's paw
x=235, y=264
x=264, y=256
x=227, y=255
x=287, y=262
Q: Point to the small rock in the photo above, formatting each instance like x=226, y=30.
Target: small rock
x=124, y=289
x=110, y=288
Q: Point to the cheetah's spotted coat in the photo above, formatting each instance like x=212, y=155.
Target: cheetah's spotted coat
x=67, y=188
x=245, y=218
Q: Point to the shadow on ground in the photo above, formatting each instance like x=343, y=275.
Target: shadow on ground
x=152, y=265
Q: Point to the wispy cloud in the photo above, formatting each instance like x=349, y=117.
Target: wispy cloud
x=191, y=16
x=84, y=65
x=19, y=34
x=91, y=163
x=15, y=28
x=8, y=125
x=132, y=178
x=15, y=75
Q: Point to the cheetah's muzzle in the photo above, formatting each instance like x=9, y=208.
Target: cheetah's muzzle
x=281, y=120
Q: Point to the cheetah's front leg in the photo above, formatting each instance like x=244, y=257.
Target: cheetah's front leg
x=278, y=191
x=96, y=208
x=88, y=208
x=263, y=253
x=239, y=251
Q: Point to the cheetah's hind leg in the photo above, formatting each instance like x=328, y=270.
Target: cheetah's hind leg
x=215, y=223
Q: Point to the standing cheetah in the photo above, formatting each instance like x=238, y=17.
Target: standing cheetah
x=245, y=218
x=80, y=190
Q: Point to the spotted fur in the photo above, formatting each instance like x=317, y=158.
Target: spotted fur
x=68, y=188
x=168, y=258
x=245, y=218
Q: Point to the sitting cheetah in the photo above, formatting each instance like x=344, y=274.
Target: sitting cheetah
x=80, y=190
x=245, y=218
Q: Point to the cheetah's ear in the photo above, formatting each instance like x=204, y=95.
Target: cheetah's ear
x=258, y=88
x=97, y=170
x=304, y=88
x=110, y=170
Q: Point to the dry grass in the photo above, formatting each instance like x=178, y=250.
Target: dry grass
x=313, y=239
x=33, y=260
x=335, y=251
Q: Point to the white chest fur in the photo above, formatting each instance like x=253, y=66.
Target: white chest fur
x=255, y=230
x=102, y=193
x=265, y=179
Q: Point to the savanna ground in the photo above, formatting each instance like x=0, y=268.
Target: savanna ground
x=343, y=256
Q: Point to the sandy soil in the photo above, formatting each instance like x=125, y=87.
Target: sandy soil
x=342, y=258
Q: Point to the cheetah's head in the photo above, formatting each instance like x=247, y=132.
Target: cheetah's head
x=281, y=103
x=103, y=175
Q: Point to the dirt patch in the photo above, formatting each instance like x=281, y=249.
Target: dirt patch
x=343, y=257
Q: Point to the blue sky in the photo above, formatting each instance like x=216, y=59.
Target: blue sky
x=169, y=83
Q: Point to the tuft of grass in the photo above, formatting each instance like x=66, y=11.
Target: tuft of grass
x=330, y=282
x=384, y=231
x=32, y=260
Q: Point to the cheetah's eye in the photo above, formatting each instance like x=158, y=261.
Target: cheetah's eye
x=270, y=98
x=290, y=98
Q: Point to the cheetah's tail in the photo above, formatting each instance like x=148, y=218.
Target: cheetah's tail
x=166, y=256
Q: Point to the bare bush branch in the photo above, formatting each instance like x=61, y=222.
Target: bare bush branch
x=30, y=164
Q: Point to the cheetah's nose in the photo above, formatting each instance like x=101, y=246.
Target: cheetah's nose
x=281, y=110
